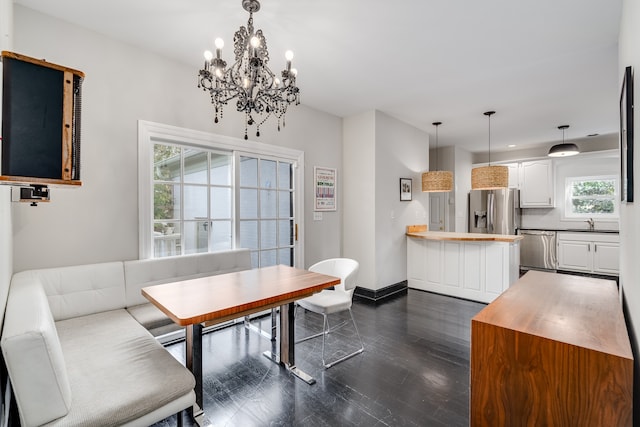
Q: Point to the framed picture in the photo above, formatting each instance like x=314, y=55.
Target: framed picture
x=324, y=188
x=626, y=137
x=405, y=189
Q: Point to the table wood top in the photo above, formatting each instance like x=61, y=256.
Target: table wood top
x=581, y=311
x=232, y=295
x=464, y=237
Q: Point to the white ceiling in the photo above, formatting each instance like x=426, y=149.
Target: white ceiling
x=538, y=63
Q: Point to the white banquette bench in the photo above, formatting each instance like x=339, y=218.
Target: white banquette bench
x=79, y=345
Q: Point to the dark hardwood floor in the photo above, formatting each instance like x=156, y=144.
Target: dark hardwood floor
x=414, y=370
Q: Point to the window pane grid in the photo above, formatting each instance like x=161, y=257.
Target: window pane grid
x=193, y=202
x=266, y=197
x=183, y=210
x=591, y=197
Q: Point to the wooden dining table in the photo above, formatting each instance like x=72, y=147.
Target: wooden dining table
x=216, y=299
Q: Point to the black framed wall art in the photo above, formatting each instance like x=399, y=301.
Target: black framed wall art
x=405, y=189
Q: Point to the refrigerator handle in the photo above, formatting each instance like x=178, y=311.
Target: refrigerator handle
x=490, y=212
x=516, y=217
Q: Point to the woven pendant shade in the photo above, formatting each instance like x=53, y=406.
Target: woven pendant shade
x=433, y=181
x=489, y=177
x=437, y=180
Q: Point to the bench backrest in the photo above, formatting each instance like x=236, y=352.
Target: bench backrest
x=79, y=290
x=147, y=272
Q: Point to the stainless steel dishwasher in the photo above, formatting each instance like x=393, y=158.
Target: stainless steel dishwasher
x=538, y=250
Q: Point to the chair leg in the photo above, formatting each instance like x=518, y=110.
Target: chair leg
x=348, y=356
x=179, y=416
x=324, y=331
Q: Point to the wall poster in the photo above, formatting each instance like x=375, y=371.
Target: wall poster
x=325, y=188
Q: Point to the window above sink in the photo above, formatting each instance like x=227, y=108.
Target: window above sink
x=591, y=197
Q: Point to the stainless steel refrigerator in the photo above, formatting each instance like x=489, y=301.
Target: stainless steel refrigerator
x=494, y=211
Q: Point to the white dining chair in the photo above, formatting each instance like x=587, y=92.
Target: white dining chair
x=335, y=300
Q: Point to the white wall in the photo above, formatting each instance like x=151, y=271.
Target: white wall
x=6, y=249
x=359, y=188
x=402, y=151
x=99, y=221
x=592, y=164
x=6, y=24
x=378, y=151
x=6, y=232
x=629, y=54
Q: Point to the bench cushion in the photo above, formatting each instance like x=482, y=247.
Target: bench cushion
x=117, y=370
x=150, y=316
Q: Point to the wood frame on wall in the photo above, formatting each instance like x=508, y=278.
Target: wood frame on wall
x=70, y=93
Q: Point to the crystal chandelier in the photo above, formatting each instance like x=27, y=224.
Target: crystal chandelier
x=249, y=80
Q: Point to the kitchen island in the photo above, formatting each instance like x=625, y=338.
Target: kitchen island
x=473, y=266
x=553, y=350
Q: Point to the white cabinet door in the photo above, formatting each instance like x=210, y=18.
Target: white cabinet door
x=416, y=265
x=536, y=184
x=606, y=258
x=574, y=255
x=589, y=252
x=434, y=249
x=514, y=174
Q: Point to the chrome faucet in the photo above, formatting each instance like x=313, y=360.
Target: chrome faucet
x=591, y=223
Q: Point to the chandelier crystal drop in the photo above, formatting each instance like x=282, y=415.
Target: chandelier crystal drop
x=257, y=91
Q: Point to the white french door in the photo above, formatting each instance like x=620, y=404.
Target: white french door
x=266, y=209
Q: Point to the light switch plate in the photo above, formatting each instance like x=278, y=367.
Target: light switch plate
x=317, y=216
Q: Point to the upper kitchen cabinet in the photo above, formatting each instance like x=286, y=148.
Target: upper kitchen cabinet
x=514, y=172
x=536, y=184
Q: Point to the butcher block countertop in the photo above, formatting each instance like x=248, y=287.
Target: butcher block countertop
x=465, y=237
x=581, y=311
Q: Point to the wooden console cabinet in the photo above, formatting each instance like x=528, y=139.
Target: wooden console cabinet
x=552, y=350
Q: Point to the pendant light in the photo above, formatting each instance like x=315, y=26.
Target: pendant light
x=564, y=149
x=489, y=177
x=437, y=181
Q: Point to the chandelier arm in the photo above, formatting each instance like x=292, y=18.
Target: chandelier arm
x=271, y=106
